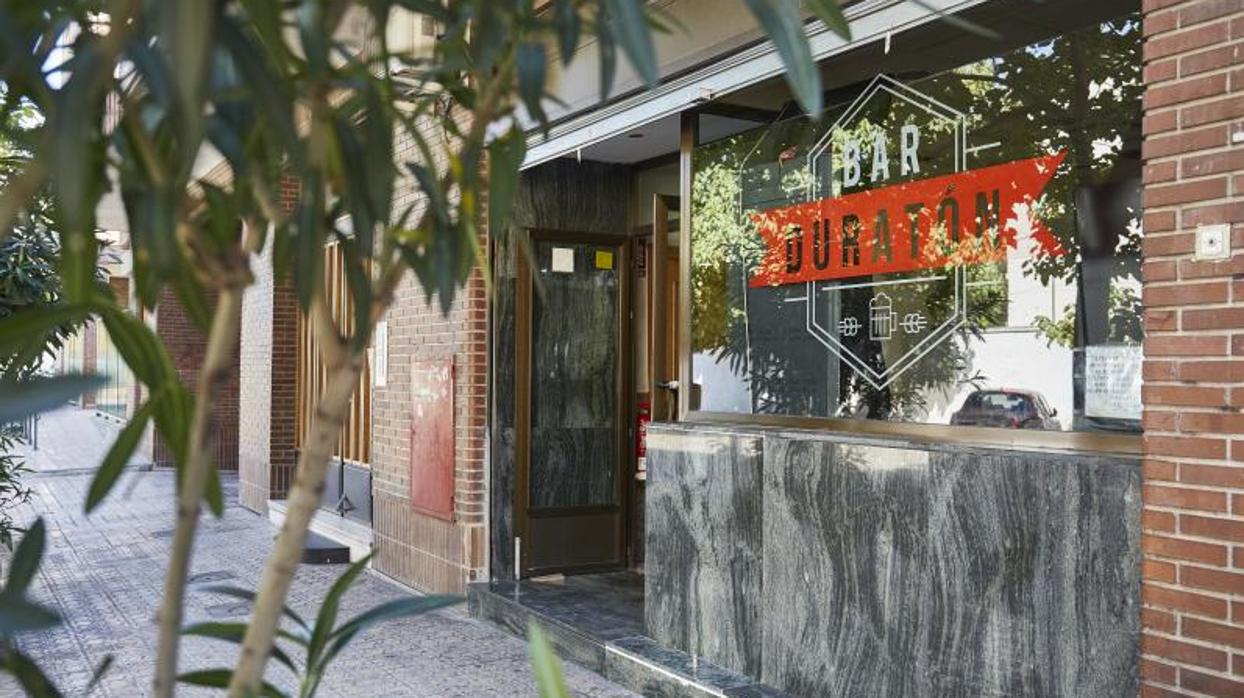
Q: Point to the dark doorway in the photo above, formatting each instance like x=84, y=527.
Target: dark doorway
x=572, y=442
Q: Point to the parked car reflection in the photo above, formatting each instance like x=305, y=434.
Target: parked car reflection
x=1007, y=408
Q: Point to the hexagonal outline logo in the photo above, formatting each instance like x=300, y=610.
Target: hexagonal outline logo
x=958, y=317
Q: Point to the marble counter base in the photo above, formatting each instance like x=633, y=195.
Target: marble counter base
x=895, y=570
x=704, y=512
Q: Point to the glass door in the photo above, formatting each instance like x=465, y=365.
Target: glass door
x=573, y=441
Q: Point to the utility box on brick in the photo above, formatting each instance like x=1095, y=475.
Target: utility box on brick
x=432, y=437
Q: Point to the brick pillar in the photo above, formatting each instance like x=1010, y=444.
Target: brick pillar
x=268, y=355
x=187, y=344
x=1193, y=521
x=428, y=552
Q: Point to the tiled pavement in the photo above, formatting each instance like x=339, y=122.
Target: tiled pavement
x=105, y=573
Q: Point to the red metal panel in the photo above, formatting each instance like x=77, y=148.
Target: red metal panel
x=432, y=437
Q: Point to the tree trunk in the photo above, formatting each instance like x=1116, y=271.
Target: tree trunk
x=304, y=499
x=221, y=343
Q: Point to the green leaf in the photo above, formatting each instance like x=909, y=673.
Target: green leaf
x=28, y=674
x=315, y=39
x=327, y=617
x=489, y=27
x=356, y=178
x=608, y=58
x=142, y=350
x=219, y=678
x=20, y=615
x=100, y=669
x=392, y=610
x=235, y=632
x=212, y=492
x=151, y=222
x=248, y=595
x=20, y=399
x=830, y=12
x=309, y=245
x=544, y=663
x=172, y=418
x=26, y=559
x=271, y=93
x=380, y=171
x=505, y=157
x=77, y=161
x=566, y=18
x=221, y=219
x=19, y=329
x=532, y=70
x=781, y=21
x=193, y=300
x=358, y=284
x=631, y=28
x=119, y=455
x=186, y=35
x=265, y=16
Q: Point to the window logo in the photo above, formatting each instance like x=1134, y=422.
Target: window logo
x=890, y=219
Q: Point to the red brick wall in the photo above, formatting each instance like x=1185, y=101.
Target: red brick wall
x=423, y=551
x=187, y=345
x=1193, y=521
x=268, y=369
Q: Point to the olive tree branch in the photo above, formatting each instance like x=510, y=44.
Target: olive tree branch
x=330, y=413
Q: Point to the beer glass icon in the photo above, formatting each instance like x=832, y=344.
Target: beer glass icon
x=881, y=316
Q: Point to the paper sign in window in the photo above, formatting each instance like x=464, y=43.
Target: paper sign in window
x=563, y=260
x=1112, y=379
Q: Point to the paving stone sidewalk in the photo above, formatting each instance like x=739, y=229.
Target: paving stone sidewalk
x=105, y=572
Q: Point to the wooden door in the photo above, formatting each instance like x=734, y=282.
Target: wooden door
x=573, y=405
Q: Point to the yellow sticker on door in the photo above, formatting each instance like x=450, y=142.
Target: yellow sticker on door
x=604, y=259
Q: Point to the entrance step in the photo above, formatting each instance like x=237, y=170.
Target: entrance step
x=319, y=550
x=508, y=612
x=589, y=631
x=354, y=535
x=642, y=665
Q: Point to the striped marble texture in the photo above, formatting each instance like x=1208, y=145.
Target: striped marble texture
x=895, y=569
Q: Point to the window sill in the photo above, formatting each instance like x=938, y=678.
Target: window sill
x=1093, y=443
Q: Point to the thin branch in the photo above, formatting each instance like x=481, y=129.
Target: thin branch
x=335, y=349
x=222, y=340
x=343, y=376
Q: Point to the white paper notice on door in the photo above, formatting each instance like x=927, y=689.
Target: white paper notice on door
x=563, y=260
x=1112, y=378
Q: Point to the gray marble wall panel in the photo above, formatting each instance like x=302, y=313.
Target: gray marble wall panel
x=948, y=573
x=560, y=195
x=702, y=578
x=502, y=406
x=587, y=197
x=896, y=569
x=848, y=563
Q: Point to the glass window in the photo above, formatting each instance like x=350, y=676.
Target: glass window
x=955, y=247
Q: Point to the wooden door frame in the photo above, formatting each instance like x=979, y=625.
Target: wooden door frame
x=624, y=387
x=661, y=361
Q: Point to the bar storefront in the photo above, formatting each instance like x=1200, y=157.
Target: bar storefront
x=839, y=405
